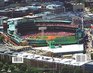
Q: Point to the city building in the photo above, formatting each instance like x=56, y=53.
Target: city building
x=74, y=6
x=1, y=3
x=78, y=7
x=89, y=3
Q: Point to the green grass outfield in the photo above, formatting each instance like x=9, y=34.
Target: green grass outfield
x=65, y=40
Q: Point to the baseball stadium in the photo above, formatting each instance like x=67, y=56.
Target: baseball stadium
x=39, y=32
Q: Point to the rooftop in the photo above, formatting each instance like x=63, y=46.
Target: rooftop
x=16, y=48
x=52, y=21
x=50, y=59
x=63, y=48
x=90, y=63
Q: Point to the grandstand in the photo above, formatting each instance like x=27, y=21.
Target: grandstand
x=32, y=26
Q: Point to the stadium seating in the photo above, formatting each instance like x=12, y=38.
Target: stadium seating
x=48, y=34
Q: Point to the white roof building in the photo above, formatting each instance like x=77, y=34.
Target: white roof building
x=63, y=49
x=50, y=59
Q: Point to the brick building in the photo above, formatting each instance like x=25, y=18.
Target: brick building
x=89, y=3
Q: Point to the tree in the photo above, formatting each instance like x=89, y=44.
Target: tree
x=92, y=56
x=66, y=69
x=12, y=67
x=19, y=68
x=1, y=38
x=23, y=67
x=78, y=70
x=35, y=70
x=1, y=65
x=28, y=70
x=6, y=66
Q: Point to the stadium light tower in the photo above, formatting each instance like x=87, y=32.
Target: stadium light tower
x=42, y=30
x=82, y=22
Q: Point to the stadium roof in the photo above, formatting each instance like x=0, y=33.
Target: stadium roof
x=65, y=21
